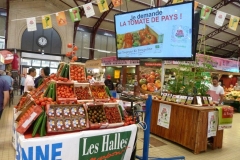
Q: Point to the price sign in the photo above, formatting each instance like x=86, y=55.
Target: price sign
x=189, y=100
x=227, y=112
x=205, y=100
x=183, y=99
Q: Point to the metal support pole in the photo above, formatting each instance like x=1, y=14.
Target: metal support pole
x=147, y=131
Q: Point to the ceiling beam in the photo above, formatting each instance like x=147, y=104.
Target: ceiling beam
x=231, y=41
x=219, y=48
x=216, y=39
x=95, y=28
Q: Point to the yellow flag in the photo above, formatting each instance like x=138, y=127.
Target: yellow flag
x=195, y=5
x=233, y=23
x=102, y=5
x=177, y=1
x=46, y=21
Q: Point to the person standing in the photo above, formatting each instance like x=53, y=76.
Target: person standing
x=8, y=79
x=4, y=94
x=29, y=82
x=44, y=73
x=108, y=82
x=216, y=91
x=23, y=78
x=119, y=88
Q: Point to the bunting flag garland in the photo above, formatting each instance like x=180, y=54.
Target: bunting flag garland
x=46, y=22
x=102, y=5
x=31, y=24
x=74, y=14
x=233, y=23
x=88, y=9
x=117, y=3
x=61, y=18
x=177, y=1
x=220, y=17
x=205, y=12
x=195, y=5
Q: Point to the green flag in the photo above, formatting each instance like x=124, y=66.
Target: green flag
x=74, y=14
x=205, y=12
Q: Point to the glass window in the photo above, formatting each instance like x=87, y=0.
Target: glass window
x=53, y=70
x=45, y=63
x=54, y=64
x=36, y=63
x=38, y=72
x=26, y=62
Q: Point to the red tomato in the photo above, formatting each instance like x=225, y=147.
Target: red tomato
x=37, y=102
x=75, y=48
x=41, y=100
x=43, y=104
x=69, y=45
x=50, y=99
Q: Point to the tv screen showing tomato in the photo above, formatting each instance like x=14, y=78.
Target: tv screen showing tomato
x=160, y=32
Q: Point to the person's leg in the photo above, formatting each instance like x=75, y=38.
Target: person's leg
x=22, y=88
x=1, y=111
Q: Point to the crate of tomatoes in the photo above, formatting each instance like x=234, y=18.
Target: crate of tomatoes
x=65, y=93
x=113, y=115
x=98, y=92
x=77, y=72
x=25, y=102
x=83, y=92
x=26, y=118
x=96, y=116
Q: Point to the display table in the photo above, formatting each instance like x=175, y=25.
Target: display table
x=110, y=144
x=188, y=126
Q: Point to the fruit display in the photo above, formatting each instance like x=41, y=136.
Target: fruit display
x=65, y=90
x=150, y=82
x=77, y=72
x=113, y=115
x=82, y=91
x=66, y=118
x=98, y=91
x=96, y=116
x=26, y=118
x=135, y=39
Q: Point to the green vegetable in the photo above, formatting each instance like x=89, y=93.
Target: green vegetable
x=50, y=90
x=136, y=43
x=66, y=71
x=121, y=111
x=37, y=124
x=107, y=91
x=46, y=91
x=54, y=92
x=63, y=70
x=40, y=82
x=43, y=126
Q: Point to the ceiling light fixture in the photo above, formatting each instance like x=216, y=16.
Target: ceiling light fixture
x=99, y=50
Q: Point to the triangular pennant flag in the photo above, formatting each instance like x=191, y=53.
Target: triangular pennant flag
x=165, y=1
x=205, y=12
x=233, y=23
x=220, y=17
x=74, y=14
x=88, y=9
x=61, y=18
x=117, y=3
x=46, y=21
x=195, y=5
x=102, y=5
x=31, y=24
x=177, y=1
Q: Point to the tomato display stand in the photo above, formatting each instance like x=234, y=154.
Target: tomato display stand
x=65, y=95
x=82, y=91
x=147, y=135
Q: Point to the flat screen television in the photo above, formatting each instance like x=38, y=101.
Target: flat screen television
x=156, y=33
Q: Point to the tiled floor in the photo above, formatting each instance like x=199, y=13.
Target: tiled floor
x=162, y=149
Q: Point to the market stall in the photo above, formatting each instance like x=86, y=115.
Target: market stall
x=184, y=124
x=58, y=114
